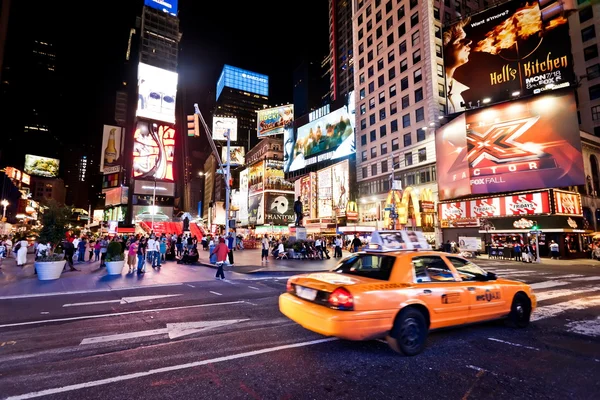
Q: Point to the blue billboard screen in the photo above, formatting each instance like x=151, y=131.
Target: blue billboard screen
x=168, y=6
x=241, y=79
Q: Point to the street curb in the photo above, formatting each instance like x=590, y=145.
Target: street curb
x=258, y=272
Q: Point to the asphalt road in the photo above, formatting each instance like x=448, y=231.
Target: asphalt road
x=227, y=340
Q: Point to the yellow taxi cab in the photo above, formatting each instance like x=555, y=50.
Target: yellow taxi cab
x=399, y=289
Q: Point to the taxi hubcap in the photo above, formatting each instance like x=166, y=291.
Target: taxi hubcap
x=410, y=333
x=520, y=311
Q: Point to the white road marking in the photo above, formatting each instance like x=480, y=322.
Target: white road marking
x=218, y=294
x=564, y=276
x=45, y=312
x=513, y=344
x=558, y=308
x=173, y=330
x=118, y=314
x=504, y=270
x=501, y=274
x=124, y=300
x=547, y=284
x=192, y=286
x=589, y=327
x=121, y=378
x=252, y=287
x=551, y=294
x=26, y=296
x=587, y=278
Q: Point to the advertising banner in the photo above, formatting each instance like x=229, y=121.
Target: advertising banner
x=156, y=93
x=222, y=126
x=116, y=196
x=551, y=223
x=243, y=213
x=468, y=243
x=341, y=181
x=328, y=137
x=280, y=208
x=526, y=204
x=483, y=208
x=41, y=166
x=150, y=188
x=505, y=51
x=110, y=181
x=273, y=121
x=274, y=176
x=238, y=155
x=256, y=210
x=520, y=145
x=112, y=149
x=256, y=177
x=567, y=203
x=325, y=193
x=153, y=151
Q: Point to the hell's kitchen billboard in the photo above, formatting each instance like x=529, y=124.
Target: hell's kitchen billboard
x=513, y=49
x=468, y=212
x=153, y=151
x=273, y=121
x=521, y=145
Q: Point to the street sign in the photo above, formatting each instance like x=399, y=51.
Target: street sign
x=536, y=232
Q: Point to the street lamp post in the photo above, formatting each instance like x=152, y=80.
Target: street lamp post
x=153, y=205
x=5, y=204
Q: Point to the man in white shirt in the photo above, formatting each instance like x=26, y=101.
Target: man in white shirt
x=151, y=251
x=76, y=244
x=280, y=249
x=265, y=249
x=338, y=247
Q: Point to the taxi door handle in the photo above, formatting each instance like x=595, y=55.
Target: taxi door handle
x=426, y=291
x=471, y=289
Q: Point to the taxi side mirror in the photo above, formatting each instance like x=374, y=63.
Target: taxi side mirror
x=491, y=276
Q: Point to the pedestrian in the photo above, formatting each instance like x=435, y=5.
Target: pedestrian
x=221, y=252
x=81, y=249
x=163, y=249
x=2, y=252
x=554, y=250
x=141, y=267
x=131, y=255
x=517, y=250
x=69, y=250
x=151, y=251
x=230, y=241
x=21, y=252
x=338, y=247
x=264, y=255
x=356, y=243
x=90, y=247
x=97, y=248
x=103, y=249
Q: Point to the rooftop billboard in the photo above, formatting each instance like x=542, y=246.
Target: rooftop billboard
x=157, y=89
x=273, y=121
x=168, y=6
x=511, y=50
x=241, y=79
x=528, y=144
x=41, y=166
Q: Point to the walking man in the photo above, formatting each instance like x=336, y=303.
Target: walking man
x=264, y=255
x=554, y=249
x=298, y=211
x=221, y=252
x=230, y=241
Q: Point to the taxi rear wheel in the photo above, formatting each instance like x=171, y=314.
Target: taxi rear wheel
x=409, y=332
x=520, y=311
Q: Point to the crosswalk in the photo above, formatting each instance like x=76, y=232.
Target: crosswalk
x=562, y=296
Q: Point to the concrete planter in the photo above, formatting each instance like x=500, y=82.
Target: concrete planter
x=114, y=267
x=49, y=270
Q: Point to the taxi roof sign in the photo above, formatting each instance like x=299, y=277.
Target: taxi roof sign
x=398, y=240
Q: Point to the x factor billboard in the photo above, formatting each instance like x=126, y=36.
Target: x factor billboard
x=153, y=151
x=157, y=88
x=273, y=121
x=521, y=145
x=515, y=49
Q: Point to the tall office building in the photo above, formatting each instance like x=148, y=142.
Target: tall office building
x=311, y=86
x=341, y=51
x=240, y=93
x=400, y=96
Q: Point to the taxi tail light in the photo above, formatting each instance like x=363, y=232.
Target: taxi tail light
x=289, y=286
x=341, y=299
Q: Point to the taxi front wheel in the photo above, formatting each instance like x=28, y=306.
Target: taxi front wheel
x=520, y=311
x=409, y=333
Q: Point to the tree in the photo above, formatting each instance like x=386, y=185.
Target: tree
x=54, y=222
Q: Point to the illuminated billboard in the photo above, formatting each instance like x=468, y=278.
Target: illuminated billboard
x=112, y=148
x=222, y=126
x=243, y=213
x=157, y=88
x=273, y=121
x=274, y=176
x=168, y=6
x=41, y=166
x=241, y=79
x=521, y=145
x=238, y=155
x=340, y=179
x=256, y=177
x=153, y=151
x=256, y=209
x=279, y=208
x=510, y=50
x=328, y=137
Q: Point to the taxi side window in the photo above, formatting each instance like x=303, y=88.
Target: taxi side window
x=369, y=265
x=431, y=269
x=467, y=270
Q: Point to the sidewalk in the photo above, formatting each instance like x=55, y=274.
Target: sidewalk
x=546, y=261
x=17, y=281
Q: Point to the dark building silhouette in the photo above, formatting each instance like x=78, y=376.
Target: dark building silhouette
x=311, y=86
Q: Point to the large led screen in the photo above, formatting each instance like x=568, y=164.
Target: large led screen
x=223, y=126
x=156, y=93
x=41, y=166
x=243, y=213
x=153, y=151
x=332, y=135
x=238, y=155
x=241, y=79
x=273, y=121
x=509, y=50
x=279, y=208
x=168, y=6
x=112, y=148
x=520, y=145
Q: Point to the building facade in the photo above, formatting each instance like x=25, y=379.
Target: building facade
x=341, y=51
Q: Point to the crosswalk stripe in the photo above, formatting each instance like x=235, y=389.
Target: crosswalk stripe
x=547, y=284
x=551, y=294
x=514, y=273
x=587, y=278
x=564, y=276
x=558, y=308
x=589, y=327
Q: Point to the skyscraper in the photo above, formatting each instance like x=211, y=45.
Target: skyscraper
x=341, y=61
x=311, y=86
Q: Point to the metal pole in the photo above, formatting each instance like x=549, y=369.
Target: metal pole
x=153, y=204
x=227, y=188
x=537, y=248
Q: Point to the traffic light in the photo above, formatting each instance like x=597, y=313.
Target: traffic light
x=193, y=124
x=535, y=226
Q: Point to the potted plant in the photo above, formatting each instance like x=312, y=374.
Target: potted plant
x=115, y=260
x=54, y=219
